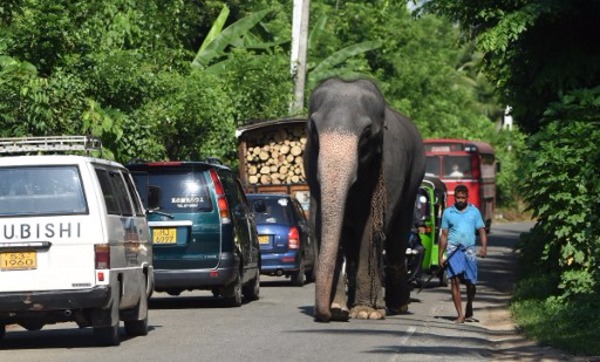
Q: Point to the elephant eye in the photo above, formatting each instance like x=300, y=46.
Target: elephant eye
x=365, y=138
x=367, y=132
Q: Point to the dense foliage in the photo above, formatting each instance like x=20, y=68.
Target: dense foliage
x=173, y=79
x=121, y=70
x=543, y=57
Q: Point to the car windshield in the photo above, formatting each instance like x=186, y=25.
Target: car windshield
x=278, y=210
x=41, y=190
x=180, y=191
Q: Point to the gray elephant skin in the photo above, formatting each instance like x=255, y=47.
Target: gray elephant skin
x=364, y=163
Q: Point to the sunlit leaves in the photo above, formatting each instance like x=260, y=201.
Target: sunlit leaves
x=562, y=189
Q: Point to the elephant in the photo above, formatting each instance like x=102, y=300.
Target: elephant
x=363, y=163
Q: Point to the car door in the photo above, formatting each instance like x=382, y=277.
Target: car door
x=242, y=220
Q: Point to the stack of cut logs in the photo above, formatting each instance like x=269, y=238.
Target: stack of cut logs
x=276, y=157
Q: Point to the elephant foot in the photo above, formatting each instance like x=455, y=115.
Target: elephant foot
x=403, y=309
x=336, y=312
x=339, y=313
x=366, y=312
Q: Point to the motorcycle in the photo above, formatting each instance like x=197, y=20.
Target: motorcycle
x=414, y=259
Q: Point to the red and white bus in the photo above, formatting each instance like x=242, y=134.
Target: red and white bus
x=472, y=163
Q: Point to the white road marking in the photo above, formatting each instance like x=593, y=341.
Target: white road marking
x=409, y=332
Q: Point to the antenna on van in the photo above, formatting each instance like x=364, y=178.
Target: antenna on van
x=51, y=144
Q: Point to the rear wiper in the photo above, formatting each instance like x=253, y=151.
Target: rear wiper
x=162, y=213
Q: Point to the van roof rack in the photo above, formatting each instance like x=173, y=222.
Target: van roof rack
x=51, y=144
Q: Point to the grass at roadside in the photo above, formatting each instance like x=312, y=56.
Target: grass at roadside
x=572, y=327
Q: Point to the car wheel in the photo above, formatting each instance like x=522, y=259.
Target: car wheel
x=2, y=331
x=109, y=336
x=252, y=289
x=444, y=280
x=139, y=327
x=299, y=277
x=310, y=275
x=233, y=292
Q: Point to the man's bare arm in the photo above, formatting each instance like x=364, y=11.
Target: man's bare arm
x=442, y=246
x=483, y=238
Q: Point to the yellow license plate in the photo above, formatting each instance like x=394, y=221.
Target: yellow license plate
x=164, y=236
x=25, y=260
x=263, y=239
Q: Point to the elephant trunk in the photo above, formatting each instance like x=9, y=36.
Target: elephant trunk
x=337, y=169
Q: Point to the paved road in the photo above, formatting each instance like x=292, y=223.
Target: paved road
x=280, y=327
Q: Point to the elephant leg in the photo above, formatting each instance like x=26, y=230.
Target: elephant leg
x=339, y=306
x=397, y=288
x=369, y=302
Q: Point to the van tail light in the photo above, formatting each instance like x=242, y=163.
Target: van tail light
x=221, y=200
x=293, y=238
x=102, y=253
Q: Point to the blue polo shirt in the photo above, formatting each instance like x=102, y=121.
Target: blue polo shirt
x=462, y=225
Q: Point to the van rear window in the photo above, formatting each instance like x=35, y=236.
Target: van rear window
x=183, y=191
x=41, y=190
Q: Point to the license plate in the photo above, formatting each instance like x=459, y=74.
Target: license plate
x=26, y=260
x=164, y=236
x=263, y=239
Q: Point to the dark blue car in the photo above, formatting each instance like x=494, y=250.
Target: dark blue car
x=285, y=239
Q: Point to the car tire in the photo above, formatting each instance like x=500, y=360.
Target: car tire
x=139, y=327
x=299, y=277
x=251, y=290
x=109, y=336
x=310, y=274
x=233, y=292
x=2, y=331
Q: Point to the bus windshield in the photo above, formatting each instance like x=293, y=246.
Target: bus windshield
x=449, y=166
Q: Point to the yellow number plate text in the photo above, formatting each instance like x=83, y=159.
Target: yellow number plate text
x=164, y=236
x=263, y=239
x=18, y=261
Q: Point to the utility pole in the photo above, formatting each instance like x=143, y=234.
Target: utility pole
x=299, y=49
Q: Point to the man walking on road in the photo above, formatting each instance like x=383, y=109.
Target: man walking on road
x=459, y=223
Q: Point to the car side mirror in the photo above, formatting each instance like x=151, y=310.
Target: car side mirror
x=259, y=206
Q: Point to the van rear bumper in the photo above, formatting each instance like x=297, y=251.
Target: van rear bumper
x=39, y=301
x=165, y=280
x=173, y=279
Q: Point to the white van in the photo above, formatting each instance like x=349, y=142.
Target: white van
x=74, y=240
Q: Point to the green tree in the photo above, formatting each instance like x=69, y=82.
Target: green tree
x=533, y=50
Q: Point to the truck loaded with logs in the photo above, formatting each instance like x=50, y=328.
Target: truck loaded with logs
x=271, y=158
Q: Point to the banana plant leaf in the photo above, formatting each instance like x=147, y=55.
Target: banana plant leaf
x=340, y=56
x=215, y=48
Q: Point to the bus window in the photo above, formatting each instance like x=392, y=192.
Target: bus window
x=488, y=166
x=433, y=165
x=457, y=167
